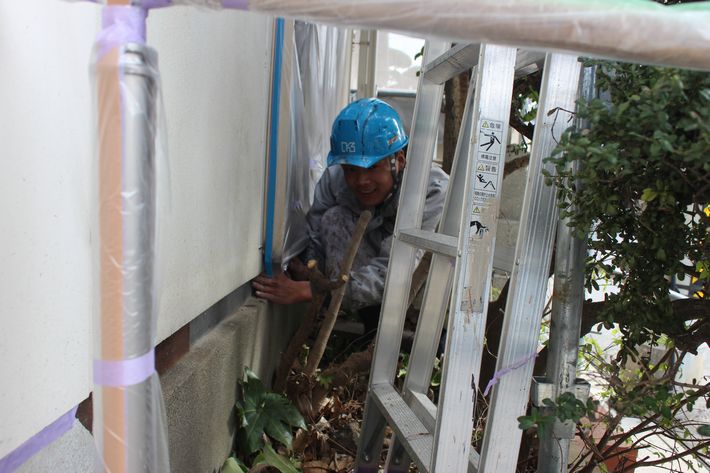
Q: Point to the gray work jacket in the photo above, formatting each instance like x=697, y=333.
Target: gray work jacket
x=366, y=284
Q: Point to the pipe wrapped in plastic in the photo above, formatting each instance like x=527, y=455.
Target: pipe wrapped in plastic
x=129, y=420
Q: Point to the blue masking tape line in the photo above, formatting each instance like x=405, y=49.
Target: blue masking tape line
x=273, y=146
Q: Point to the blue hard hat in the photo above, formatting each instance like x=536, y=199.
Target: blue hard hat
x=365, y=132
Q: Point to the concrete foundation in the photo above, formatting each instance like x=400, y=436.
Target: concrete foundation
x=200, y=391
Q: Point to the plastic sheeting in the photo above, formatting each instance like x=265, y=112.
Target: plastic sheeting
x=315, y=74
x=628, y=30
x=323, y=58
x=291, y=189
x=129, y=420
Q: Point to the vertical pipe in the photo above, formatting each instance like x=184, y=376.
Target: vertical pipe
x=273, y=146
x=109, y=403
x=367, y=61
x=128, y=418
x=565, y=325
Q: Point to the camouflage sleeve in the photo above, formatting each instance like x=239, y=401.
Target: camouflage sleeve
x=436, y=194
x=367, y=284
x=324, y=198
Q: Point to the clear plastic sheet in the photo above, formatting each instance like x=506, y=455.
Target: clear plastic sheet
x=629, y=30
x=323, y=66
x=317, y=89
x=129, y=420
x=294, y=151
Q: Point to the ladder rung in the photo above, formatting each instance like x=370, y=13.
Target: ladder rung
x=504, y=257
x=417, y=440
x=527, y=62
x=426, y=412
x=432, y=241
x=464, y=56
x=424, y=409
x=451, y=63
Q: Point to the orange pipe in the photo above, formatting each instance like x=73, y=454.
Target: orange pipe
x=111, y=253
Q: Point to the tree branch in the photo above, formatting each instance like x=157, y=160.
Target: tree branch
x=332, y=314
x=684, y=310
x=320, y=287
x=677, y=456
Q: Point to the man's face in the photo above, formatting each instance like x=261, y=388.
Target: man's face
x=372, y=186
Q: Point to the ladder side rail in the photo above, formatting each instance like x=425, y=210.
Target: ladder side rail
x=438, y=287
x=494, y=86
x=437, y=291
x=529, y=279
x=496, y=89
x=422, y=144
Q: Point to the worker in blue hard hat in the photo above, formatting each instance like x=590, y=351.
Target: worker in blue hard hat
x=365, y=166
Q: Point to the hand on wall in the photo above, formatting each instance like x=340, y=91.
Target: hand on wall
x=281, y=289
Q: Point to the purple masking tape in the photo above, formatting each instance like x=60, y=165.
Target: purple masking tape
x=499, y=374
x=27, y=450
x=236, y=4
x=124, y=372
x=156, y=3
x=121, y=25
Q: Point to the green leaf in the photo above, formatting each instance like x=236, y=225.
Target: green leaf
x=280, y=462
x=648, y=194
x=325, y=380
x=267, y=413
x=661, y=254
x=253, y=423
x=231, y=466
x=436, y=379
x=525, y=422
x=704, y=430
x=286, y=410
x=253, y=387
x=278, y=431
x=666, y=412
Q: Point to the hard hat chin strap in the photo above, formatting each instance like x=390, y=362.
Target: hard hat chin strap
x=396, y=177
x=395, y=174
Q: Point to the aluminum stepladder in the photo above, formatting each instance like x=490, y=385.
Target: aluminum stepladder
x=437, y=438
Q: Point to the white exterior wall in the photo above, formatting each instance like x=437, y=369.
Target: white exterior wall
x=215, y=72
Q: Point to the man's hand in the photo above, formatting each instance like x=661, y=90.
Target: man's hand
x=281, y=289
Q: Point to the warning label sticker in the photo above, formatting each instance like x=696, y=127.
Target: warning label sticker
x=490, y=137
x=489, y=158
x=486, y=173
x=485, y=181
x=493, y=168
